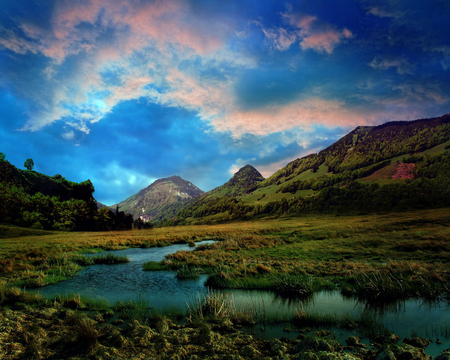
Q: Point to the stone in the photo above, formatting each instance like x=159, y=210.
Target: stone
x=417, y=342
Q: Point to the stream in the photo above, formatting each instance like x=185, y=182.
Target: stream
x=164, y=291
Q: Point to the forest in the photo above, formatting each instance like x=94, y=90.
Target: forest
x=31, y=199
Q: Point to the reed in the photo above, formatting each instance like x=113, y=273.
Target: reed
x=86, y=336
x=214, y=305
x=110, y=259
x=188, y=272
x=293, y=285
x=155, y=266
x=138, y=309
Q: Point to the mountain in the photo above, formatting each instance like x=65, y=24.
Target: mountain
x=245, y=180
x=222, y=198
x=158, y=197
x=391, y=167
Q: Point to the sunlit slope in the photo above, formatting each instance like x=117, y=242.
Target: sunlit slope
x=157, y=197
x=411, y=156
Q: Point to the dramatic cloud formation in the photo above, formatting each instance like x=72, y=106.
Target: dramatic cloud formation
x=124, y=92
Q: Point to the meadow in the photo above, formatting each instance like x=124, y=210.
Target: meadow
x=389, y=255
x=378, y=258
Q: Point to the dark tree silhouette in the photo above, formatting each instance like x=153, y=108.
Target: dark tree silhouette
x=29, y=164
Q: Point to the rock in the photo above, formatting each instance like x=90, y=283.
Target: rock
x=112, y=337
x=387, y=339
x=309, y=355
x=401, y=352
x=249, y=351
x=353, y=341
x=313, y=343
x=385, y=354
x=277, y=347
x=117, y=322
x=140, y=335
x=420, y=343
x=445, y=355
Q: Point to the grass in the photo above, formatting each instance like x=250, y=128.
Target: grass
x=139, y=309
x=188, y=272
x=110, y=259
x=215, y=306
x=409, y=246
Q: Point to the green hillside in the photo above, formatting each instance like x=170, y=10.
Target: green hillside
x=392, y=167
x=31, y=199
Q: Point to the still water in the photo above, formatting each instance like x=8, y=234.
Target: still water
x=164, y=291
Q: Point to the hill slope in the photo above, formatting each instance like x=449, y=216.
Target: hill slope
x=391, y=167
x=155, y=198
x=245, y=180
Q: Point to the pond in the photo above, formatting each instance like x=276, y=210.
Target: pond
x=164, y=291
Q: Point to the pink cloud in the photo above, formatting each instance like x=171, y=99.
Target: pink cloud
x=402, y=65
x=377, y=11
x=325, y=41
x=309, y=31
x=280, y=38
x=301, y=114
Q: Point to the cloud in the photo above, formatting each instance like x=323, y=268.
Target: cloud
x=402, y=65
x=142, y=42
x=325, y=41
x=383, y=13
x=280, y=38
x=69, y=135
x=302, y=113
x=309, y=31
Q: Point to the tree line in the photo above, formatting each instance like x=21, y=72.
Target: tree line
x=31, y=199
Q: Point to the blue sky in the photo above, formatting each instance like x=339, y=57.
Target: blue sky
x=125, y=92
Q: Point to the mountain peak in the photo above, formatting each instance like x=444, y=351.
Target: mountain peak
x=247, y=173
x=150, y=201
x=246, y=179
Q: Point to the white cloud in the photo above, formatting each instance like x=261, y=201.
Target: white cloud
x=69, y=135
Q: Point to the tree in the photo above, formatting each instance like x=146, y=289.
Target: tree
x=29, y=164
x=2, y=157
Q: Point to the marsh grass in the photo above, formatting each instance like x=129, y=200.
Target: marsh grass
x=110, y=259
x=323, y=247
x=365, y=325
x=297, y=285
x=392, y=284
x=13, y=296
x=188, y=272
x=86, y=336
x=155, y=266
x=138, y=309
x=214, y=305
x=77, y=301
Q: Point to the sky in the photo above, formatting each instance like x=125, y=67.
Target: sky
x=124, y=92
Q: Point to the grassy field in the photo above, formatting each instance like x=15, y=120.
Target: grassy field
x=411, y=248
x=375, y=258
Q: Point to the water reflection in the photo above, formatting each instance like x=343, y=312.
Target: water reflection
x=163, y=290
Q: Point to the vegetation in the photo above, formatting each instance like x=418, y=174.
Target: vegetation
x=29, y=164
x=393, y=167
x=31, y=199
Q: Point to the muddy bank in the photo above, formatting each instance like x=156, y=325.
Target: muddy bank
x=59, y=333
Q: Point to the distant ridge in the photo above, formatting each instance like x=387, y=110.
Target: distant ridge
x=150, y=201
x=396, y=166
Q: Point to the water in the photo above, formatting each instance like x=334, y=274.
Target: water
x=163, y=290
x=128, y=281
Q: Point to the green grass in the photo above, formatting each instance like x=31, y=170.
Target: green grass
x=155, y=266
x=334, y=249
x=110, y=259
